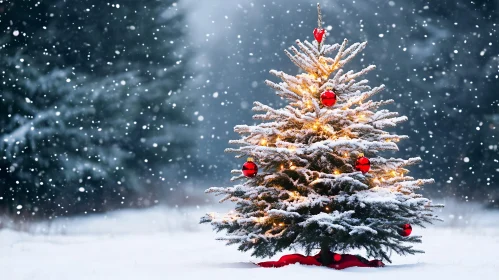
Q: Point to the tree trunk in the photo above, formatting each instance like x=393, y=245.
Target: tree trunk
x=326, y=257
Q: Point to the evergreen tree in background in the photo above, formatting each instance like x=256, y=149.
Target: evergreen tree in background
x=91, y=113
x=323, y=183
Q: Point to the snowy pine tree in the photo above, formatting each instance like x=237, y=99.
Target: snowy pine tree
x=91, y=112
x=309, y=194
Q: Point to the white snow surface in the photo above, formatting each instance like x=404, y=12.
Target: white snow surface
x=166, y=244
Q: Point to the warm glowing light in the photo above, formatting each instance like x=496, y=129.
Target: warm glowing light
x=393, y=173
x=292, y=148
x=278, y=139
x=263, y=142
x=281, y=224
x=345, y=154
x=336, y=172
x=309, y=104
x=317, y=125
x=294, y=194
x=327, y=208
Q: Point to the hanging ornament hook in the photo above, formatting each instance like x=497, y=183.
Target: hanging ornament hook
x=319, y=32
x=319, y=19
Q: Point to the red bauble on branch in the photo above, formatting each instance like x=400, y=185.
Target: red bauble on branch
x=328, y=98
x=363, y=164
x=250, y=169
x=406, y=230
x=319, y=34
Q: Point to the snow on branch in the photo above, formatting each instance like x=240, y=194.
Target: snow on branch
x=332, y=221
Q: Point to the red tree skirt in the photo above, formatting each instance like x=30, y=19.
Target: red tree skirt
x=340, y=261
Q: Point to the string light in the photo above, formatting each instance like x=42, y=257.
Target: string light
x=263, y=142
x=260, y=219
x=313, y=76
x=336, y=171
x=317, y=125
x=294, y=194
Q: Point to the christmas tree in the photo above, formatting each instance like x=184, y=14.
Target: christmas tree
x=323, y=183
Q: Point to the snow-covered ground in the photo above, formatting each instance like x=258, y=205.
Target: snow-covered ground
x=169, y=244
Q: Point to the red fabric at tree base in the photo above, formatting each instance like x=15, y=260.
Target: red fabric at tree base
x=345, y=261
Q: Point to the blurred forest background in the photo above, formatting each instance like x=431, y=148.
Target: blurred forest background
x=118, y=104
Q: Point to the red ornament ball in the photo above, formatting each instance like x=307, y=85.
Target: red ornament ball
x=250, y=169
x=319, y=34
x=337, y=257
x=363, y=164
x=406, y=230
x=328, y=98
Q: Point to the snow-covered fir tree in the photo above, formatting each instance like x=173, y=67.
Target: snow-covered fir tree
x=92, y=109
x=311, y=192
